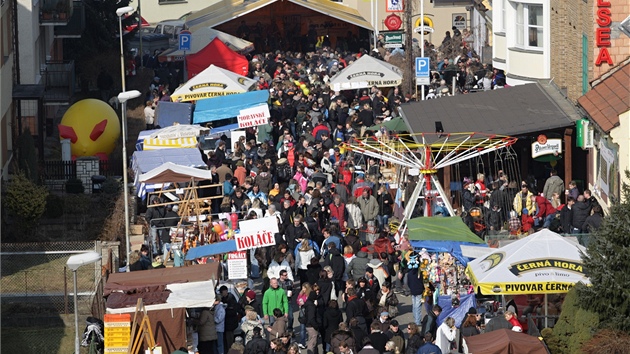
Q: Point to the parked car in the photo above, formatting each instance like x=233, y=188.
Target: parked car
x=171, y=28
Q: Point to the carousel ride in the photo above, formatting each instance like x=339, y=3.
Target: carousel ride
x=422, y=155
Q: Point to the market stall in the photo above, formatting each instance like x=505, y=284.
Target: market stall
x=218, y=54
x=504, y=341
x=541, y=263
x=366, y=72
x=209, y=110
x=166, y=294
x=145, y=161
x=201, y=38
x=213, y=81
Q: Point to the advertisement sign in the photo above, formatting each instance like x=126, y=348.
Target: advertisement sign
x=394, y=6
x=459, y=21
x=543, y=146
x=393, y=39
x=248, y=241
x=237, y=265
x=254, y=116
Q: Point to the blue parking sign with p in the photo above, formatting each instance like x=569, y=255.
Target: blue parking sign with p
x=184, y=41
x=422, y=67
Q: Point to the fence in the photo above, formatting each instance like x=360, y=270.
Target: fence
x=36, y=294
x=65, y=170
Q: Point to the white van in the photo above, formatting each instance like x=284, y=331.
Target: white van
x=171, y=28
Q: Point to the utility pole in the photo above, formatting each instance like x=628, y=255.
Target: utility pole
x=409, y=78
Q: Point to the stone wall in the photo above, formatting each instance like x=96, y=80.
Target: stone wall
x=86, y=168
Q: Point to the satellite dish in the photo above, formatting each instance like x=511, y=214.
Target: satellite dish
x=427, y=29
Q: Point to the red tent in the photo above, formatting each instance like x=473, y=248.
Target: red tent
x=217, y=53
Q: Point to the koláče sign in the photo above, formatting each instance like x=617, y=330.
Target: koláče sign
x=247, y=241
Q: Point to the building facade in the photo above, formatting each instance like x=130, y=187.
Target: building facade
x=6, y=85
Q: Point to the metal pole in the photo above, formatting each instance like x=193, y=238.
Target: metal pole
x=122, y=55
x=140, y=29
x=125, y=187
x=77, y=347
x=422, y=45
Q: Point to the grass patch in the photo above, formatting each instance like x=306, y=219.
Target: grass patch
x=56, y=340
x=41, y=274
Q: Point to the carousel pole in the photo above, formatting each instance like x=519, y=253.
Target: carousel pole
x=428, y=211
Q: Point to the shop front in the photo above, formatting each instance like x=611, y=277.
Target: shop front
x=605, y=133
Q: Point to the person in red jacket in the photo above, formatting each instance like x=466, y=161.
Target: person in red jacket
x=338, y=212
x=545, y=212
x=527, y=221
x=516, y=325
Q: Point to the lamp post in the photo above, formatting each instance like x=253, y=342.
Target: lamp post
x=74, y=262
x=123, y=97
x=120, y=12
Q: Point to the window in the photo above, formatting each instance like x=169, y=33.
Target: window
x=529, y=25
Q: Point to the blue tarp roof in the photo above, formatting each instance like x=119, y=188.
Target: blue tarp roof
x=168, y=113
x=211, y=249
x=452, y=247
x=217, y=108
x=145, y=161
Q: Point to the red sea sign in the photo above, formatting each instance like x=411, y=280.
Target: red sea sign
x=602, y=33
x=258, y=239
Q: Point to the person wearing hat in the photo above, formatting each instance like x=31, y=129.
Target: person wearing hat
x=396, y=335
x=469, y=325
x=248, y=300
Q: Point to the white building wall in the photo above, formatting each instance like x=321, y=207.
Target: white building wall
x=621, y=136
x=35, y=41
x=155, y=11
x=528, y=65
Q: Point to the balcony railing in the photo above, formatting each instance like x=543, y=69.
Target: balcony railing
x=76, y=23
x=59, y=80
x=55, y=12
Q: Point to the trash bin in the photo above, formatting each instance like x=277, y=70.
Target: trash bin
x=97, y=183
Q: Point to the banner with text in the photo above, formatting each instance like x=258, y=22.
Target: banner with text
x=254, y=116
x=237, y=265
x=249, y=240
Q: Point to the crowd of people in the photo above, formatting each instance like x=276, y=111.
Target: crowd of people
x=502, y=207
x=338, y=263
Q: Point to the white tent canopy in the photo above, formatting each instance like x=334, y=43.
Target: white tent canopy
x=542, y=263
x=180, y=131
x=367, y=72
x=202, y=37
x=170, y=172
x=213, y=82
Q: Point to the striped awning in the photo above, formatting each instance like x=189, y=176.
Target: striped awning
x=155, y=144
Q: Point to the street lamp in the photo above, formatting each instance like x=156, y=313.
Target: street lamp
x=123, y=97
x=74, y=262
x=120, y=12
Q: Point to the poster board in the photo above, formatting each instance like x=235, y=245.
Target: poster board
x=251, y=117
x=237, y=265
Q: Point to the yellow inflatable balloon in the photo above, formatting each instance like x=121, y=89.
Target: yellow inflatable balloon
x=92, y=126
